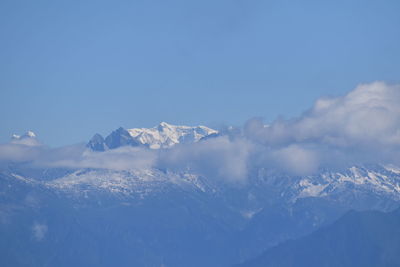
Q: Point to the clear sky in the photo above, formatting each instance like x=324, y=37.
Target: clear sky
x=69, y=69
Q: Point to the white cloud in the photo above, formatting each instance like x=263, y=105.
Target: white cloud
x=19, y=152
x=39, y=231
x=370, y=113
x=78, y=156
x=362, y=126
x=220, y=157
x=296, y=159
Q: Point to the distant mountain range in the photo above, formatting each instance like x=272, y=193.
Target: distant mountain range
x=160, y=216
x=163, y=135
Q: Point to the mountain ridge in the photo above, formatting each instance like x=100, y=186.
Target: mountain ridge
x=163, y=135
x=199, y=215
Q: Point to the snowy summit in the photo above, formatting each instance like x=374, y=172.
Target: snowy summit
x=166, y=135
x=28, y=138
x=163, y=135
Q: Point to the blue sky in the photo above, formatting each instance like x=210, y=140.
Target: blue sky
x=73, y=68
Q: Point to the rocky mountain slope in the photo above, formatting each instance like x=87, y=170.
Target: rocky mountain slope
x=368, y=238
x=203, y=216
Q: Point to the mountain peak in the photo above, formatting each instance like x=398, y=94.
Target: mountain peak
x=97, y=143
x=164, y=135
x=28, y=134
x=164, y=124
x=120, y=129
x=120, y=137
x=28, y=138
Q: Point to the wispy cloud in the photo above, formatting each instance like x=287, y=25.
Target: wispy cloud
x=39, y=231
x=19, y=152
x=118, y=159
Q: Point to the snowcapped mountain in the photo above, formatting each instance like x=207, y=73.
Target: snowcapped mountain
x=202, y=214
x=163, y=135
x=167, y=215
x=166, y=135
x=28, y=134
x=350, y=187
x=29, y=138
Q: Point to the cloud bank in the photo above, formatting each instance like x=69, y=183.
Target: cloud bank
x=360, y=127
x=370, y=114
x=221, y=157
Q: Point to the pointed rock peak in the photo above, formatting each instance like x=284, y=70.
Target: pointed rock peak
x=120, y=131
x=97, y=143
x=97, y=138
x=120, y=137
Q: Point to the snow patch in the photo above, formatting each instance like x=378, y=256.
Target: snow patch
x=310, y=189
x=166, y=135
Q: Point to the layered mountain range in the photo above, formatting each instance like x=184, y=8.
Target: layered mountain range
x=58, y=215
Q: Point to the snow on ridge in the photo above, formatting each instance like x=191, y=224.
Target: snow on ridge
x=140, y=182
x=310, y=189
x=167, y=135
x=392, y=168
